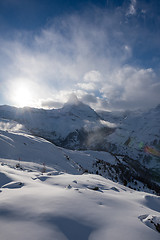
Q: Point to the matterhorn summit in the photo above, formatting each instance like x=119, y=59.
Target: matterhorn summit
x=76, y=107
x=73, y=99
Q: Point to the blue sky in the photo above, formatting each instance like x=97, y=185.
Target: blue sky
x=107, y=52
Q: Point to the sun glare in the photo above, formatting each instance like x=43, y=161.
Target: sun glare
x=22, y=95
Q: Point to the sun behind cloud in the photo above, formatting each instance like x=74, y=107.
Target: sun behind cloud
x=21, y=95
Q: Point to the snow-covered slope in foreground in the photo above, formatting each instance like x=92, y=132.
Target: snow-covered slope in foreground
x=62, y=206
x=53, y=201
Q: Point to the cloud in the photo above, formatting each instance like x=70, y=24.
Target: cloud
x=49, y=103
x=132, y=88
x=89, y=98
x=87, y=86
x=92, y=76
x=90, y=81
x=102, y=58
x=132, y=8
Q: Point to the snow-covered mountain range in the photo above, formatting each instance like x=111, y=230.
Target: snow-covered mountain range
x=67, y=127
x=130, y=136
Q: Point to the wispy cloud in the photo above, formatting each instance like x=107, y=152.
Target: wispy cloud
x=92, y=55
x=132, y=8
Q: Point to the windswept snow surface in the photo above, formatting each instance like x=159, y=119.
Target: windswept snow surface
x=58, y=205
x=43, y=195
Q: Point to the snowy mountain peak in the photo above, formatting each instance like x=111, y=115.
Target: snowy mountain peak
x=73, y=100
x=75, y=106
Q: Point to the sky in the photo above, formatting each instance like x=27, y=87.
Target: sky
x=105, y=52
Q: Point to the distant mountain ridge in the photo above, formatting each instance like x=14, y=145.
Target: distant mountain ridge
x=68, y=127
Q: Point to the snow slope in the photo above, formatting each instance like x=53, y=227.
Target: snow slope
x=138, y=136
x=135, y=130
x=23, y=147
x=58, y=205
